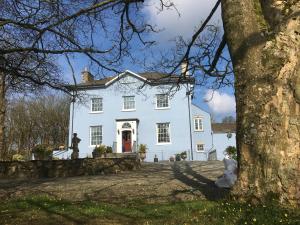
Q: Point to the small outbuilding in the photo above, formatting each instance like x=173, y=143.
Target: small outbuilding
x=224, y=135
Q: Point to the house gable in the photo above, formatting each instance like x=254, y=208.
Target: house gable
x=125, y=76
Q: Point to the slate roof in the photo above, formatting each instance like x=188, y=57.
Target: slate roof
x=223, y=127
x=153, y=78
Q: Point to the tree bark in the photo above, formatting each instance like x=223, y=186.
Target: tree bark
x=2, y=116
x=263, y=37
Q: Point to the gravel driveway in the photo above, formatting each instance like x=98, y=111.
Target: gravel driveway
x=154, y=182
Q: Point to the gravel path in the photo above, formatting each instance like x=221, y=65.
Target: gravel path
x=154, y=182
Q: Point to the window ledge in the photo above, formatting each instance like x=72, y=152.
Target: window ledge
x=201, y=151
x=198, y=130
x=96, y=112
x=162, y=108
x=165, y=143
x=128, y=110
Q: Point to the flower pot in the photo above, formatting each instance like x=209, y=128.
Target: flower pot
x=142, y=156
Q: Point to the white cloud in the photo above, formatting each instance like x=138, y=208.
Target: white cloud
x=220, y=103
x=192, y=13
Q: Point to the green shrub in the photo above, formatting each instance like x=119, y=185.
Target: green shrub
x=18, y=157
x=231, y=152
x=183, y=155
x=178, y=157
x=109, y=149
x=42, y=152
x=101, y=149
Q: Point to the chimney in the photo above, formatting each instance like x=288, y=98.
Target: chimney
x=86, y=76
x=184, y=68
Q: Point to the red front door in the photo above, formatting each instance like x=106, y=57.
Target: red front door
x=126, y=140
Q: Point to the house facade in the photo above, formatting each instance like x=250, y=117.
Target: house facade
x=147, y=108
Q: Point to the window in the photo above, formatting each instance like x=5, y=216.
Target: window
x=96, y=135
x=162, y=101
x=163, y=133
x=200, y=147
x=126, y=125
x=97, y=105
x=129, y=103
x=198, y=125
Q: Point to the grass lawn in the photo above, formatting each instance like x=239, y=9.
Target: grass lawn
x=48, y=210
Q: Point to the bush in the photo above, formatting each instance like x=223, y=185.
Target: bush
x=183, y=155
x=109, y=149
x=101, y=149
x=142, y=148
x=42, y=152
x=18, y=157
x=231, y=152
x=178, y=157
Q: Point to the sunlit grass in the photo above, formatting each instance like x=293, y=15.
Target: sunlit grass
x=48, y=210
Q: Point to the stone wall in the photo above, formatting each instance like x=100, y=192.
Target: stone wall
x=67, y=168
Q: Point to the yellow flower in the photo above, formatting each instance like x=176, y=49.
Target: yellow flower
x=254, y=219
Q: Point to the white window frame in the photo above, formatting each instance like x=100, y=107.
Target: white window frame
x=132, y=109
x=200, y=143
x=156, y=101
x=196, y=122
x=101, y=135
x=163, y=143
x=91, y=109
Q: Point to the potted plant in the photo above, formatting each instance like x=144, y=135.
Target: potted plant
x=142, y=151
x=183, y=155
x=178, y=157
x=108, y=151
x=99, y=151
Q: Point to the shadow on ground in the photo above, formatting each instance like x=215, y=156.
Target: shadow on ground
x=185, y=173
x=154, y=182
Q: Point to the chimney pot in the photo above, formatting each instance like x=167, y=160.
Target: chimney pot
x=184, y=68
x=86, y=76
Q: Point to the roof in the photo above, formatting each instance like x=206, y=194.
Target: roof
x=153, y=78
x=224, y=127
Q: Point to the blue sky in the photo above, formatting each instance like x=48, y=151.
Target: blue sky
x=191, y=12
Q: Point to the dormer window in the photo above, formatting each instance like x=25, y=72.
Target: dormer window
x=162, y=101
x=128, y=103
x=96, y=105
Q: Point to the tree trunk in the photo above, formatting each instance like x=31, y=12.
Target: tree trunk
x=2, y=116
x=263, y=37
